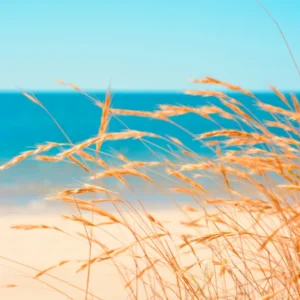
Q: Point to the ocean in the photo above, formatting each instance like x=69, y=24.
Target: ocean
x=24, y=124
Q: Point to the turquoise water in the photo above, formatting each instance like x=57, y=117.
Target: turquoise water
x=24, y=124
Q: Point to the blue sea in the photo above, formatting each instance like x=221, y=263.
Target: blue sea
x=24, y=124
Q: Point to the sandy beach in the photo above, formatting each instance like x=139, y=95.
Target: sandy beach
x=42, y=248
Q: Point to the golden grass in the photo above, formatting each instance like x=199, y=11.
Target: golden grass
x=250, y=233
x=104, y=118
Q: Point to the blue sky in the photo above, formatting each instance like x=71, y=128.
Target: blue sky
x=150, y=45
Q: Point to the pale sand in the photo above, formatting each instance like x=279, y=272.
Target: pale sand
x=43, y=248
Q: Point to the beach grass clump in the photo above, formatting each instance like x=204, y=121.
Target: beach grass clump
x=242, y=242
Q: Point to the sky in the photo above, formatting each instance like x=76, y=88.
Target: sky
x=147, y=45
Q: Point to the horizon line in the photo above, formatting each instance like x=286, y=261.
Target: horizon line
x=70, y=91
